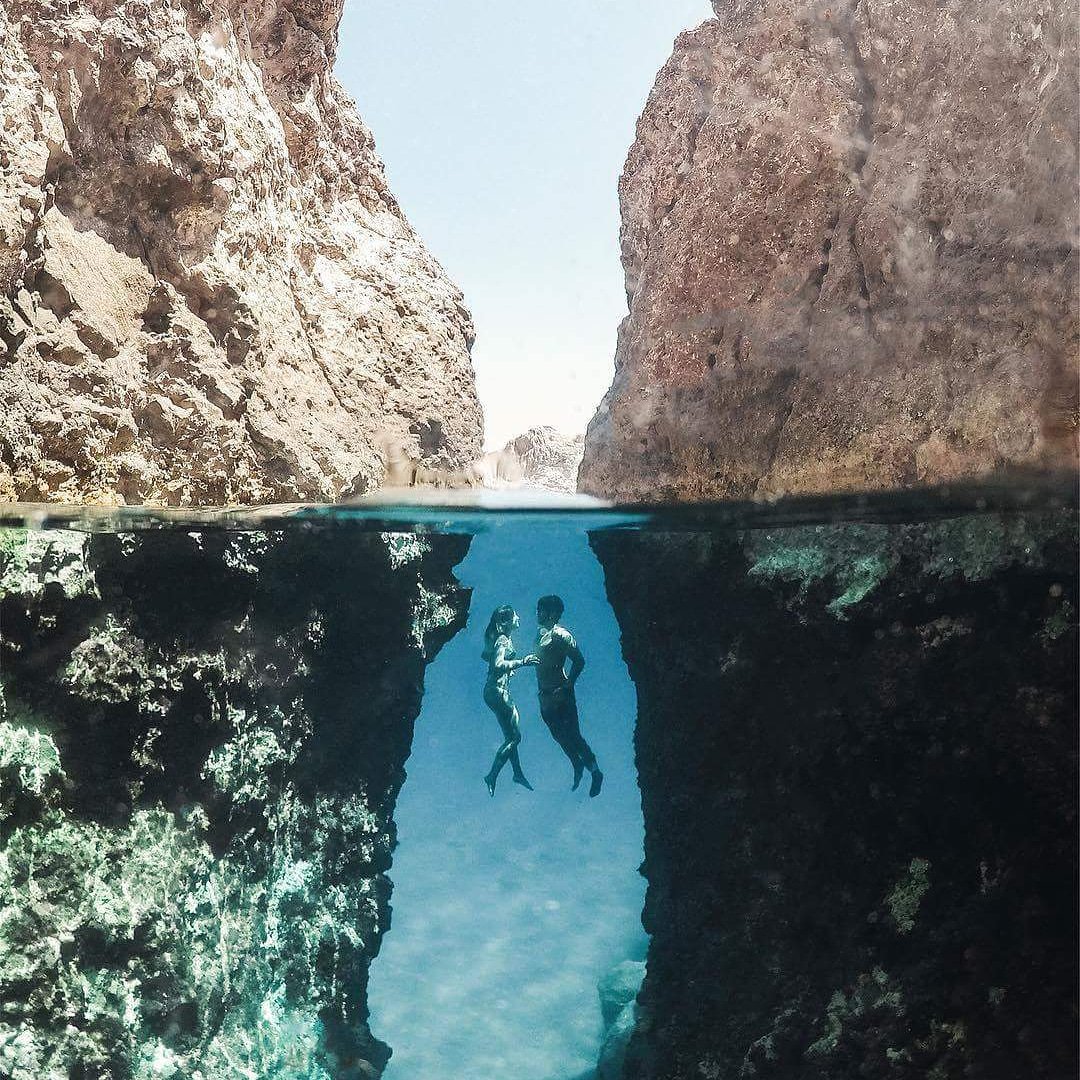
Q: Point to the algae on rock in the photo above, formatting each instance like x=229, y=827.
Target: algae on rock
x=203, y=739
x=857, y=752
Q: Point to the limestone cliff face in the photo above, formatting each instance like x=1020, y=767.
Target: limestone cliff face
x=857, y=752
x=848, y=236
x=202, y=737
x=207, y=293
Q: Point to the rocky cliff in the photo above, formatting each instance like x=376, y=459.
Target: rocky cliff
x=202, y=737
x=207, y=292
x=849, y=243
x=857, y=752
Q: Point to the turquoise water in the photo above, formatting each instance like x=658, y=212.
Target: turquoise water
x=508, y=911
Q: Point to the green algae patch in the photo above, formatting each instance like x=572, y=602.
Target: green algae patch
x=30, y=772
x=976, y=548
x=93, y=916
x=31, y=560
x=29, y=760
x=850, y=561
x=904, y=900
x=874, y=1001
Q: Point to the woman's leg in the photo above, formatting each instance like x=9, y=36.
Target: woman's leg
x=507, y=715
x=513, y=740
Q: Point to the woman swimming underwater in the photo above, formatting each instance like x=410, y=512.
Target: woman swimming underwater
x=499, y=654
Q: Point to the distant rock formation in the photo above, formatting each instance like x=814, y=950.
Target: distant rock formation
x=549, y=459
x=207, y=292
x=541, y=459
x=848, y=236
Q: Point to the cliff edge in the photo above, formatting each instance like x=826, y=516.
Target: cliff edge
x=207, y=293
x=848, y=236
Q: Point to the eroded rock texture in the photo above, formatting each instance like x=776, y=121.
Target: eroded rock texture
x=549, y=459
x=202, y=737
x=848, y=236
x=857, y=754
x=207, y=292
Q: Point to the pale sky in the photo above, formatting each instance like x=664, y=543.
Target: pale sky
x=504, y=128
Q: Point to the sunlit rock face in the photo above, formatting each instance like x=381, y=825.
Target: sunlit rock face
x=201, y=741
x=848, y=236
x=549, y=459
x=207, y=292
x=857, y=753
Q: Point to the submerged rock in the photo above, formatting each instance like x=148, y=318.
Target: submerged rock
x=208, y=294
x=202, y=736
x=857, y=751
x=848, y=236
x=618, y=1009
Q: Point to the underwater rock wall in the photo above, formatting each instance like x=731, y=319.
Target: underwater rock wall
x=848, y=232
x=202, y=737
x=857, y=751
x=208, y=294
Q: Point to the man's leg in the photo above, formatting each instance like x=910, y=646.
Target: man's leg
x=581, y=748
x=559, y=711
x=553, y=715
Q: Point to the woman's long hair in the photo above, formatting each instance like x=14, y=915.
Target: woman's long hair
x=499, y=617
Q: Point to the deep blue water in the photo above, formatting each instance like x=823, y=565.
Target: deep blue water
x=507, y=911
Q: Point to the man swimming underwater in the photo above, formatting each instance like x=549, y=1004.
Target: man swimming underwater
x=558, y=703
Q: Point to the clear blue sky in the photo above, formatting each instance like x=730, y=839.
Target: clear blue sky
x=504, y=128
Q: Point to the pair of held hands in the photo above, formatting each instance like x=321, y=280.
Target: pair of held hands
x=532, y=661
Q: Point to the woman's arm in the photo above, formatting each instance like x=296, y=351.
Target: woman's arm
x=504, y=666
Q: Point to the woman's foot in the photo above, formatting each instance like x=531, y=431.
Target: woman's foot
x=597, y=781
x=521, y=779
x=489, y=781
x=579, y=772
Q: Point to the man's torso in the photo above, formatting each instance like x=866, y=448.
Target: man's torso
x=552, y=647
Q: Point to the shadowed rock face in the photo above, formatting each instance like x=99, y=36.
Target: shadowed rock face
x=857, y=753
x=207, y=292
x=202, y=738
x=848, y=243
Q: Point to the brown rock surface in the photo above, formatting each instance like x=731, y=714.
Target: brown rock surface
x=849, y=243
x=208, y=293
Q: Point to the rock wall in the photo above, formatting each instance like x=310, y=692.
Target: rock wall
x=202, y=737
x=207, y=293
x=857, y=750
x=848, y=231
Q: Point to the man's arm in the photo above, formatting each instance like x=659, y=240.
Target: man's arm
x=574, y=655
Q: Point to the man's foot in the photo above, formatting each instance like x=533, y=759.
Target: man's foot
x=597, y=781
x=489, y=781
x=579, y=772
x=523, y=781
